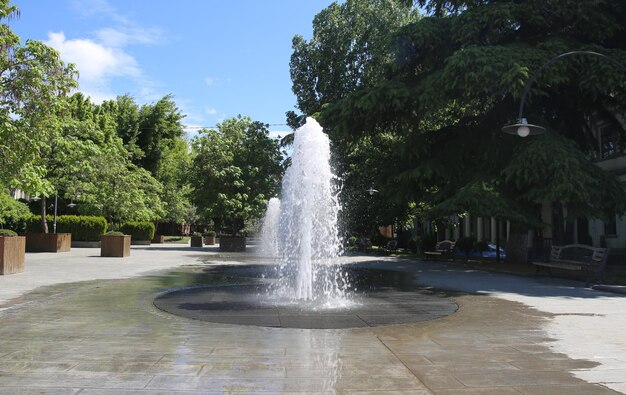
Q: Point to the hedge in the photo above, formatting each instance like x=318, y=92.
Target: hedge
x=82, y=227
x=139, y=230
x=7, y=233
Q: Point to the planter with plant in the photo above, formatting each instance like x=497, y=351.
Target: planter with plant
x=12, y=252
x=38, y=241
x=115, y=244
x=209, y=237
x=196, y=239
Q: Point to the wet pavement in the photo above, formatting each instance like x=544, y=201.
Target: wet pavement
x=106, y=336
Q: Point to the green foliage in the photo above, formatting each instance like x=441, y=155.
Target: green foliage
x=349, y=50
x=114, y=233
x=33, y=86
x=429, y=243
x=196, y=234
x=466, y=244
x=82, y=228
x=12, y=212
x=379, y=240
x=209, y=233
x=457, y=76
x=235, y=170
x=7, y=233
x=139, y=230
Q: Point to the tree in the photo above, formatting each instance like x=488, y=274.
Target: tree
x=33, y=83
x=457, y=78
x=153, y=135
x=350, y=51
x=235, y=170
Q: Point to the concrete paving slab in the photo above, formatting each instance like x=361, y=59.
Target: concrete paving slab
x=105, y=336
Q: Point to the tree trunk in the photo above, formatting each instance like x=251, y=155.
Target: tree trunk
x=558, y=236
x=44, y=223
x=517, y=247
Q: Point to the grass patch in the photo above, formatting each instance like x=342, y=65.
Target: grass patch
x=176, y=239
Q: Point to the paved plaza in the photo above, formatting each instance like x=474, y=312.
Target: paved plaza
x=77, y=323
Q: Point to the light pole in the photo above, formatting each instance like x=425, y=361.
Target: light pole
x=522, y=128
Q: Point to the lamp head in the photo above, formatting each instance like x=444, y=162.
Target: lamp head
x=523, y=129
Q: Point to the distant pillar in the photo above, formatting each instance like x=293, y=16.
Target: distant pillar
x=467, y=231
x=447, y=233
x=479, y=231
x=494, y=230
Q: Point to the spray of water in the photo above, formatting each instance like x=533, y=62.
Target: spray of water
x=269, y=235
x=305, y=238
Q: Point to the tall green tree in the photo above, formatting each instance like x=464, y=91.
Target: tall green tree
x=235, y=169
x=458, y=76
x=349, y=51
x=34, y=85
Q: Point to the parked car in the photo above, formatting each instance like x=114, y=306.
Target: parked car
x=491, y=251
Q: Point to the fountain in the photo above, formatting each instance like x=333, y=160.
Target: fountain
x=305, y=238
x=307, y=286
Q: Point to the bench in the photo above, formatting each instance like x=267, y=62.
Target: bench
x=443, y=248
x=391, y=246
x=579, y=257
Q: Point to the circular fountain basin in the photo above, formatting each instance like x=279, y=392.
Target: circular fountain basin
x=247, y=304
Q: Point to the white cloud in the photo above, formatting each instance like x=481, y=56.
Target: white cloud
x=97, y=63
x=209, y=81
x=210, y=110
x=125, y=35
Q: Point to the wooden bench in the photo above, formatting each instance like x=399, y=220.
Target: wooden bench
x=580, y=257
x=443, y=248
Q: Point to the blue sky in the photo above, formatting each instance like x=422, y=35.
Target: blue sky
x=218, y=58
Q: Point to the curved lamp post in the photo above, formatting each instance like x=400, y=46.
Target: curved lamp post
x=522, y=128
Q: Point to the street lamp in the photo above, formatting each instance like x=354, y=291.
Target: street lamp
x=522, y=128
x=371, y=191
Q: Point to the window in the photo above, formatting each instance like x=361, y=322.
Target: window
x=612, y=142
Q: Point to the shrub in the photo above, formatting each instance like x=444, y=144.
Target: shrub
x=209, y=233
x=7, y=233
x=114, y=233
x=143, y=231
x=429, y=243
x=82, y=227
x=196, y=234
x=352, y=241
x=379, y=240
x=481, y=246
x=466, y=244
x=414, y=243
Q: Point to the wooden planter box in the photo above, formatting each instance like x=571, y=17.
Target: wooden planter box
x=232, y=243
x=158, y=239
x=48, y=242
x=115, y=246
x=12, y=254
x=196, y=241
x=209, y=240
